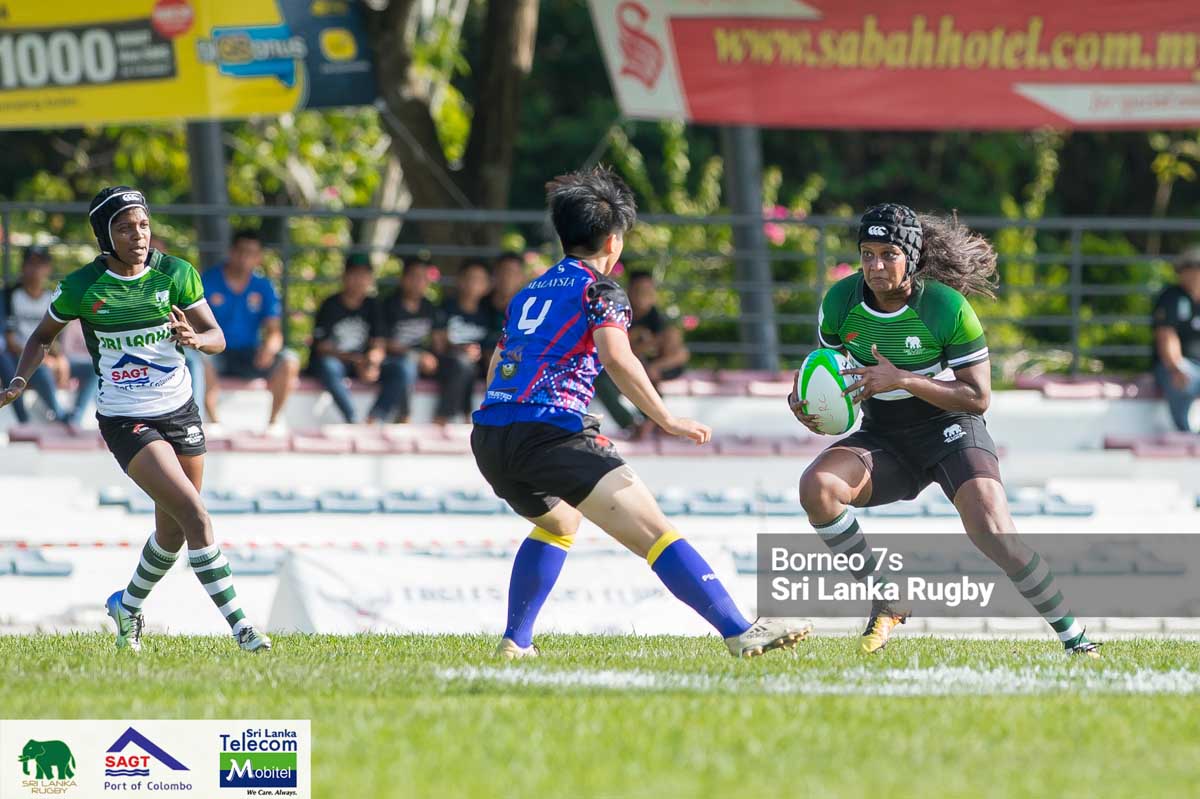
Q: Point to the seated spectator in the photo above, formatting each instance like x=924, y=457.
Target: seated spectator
x=247, y=308
x=1177, y=339
x=26, y=304
x=79, y=366
x=462, y=327
x=408, y=318
x=508, y=277
x=348, y=335
x=657, y=342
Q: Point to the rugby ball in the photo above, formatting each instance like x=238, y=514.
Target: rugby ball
x=820, y=384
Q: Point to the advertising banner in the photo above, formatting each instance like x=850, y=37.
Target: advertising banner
x=909, y=64
x=599, y=592
x=93, y=758
x=73, y=64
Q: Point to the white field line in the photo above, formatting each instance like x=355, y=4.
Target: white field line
x=936, y=681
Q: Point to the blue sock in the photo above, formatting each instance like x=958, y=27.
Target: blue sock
x=691, y=580
x=539, y=560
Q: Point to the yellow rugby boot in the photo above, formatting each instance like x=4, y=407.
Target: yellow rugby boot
x=883, y=621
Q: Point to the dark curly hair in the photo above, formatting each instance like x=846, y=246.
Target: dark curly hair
x=957, y=256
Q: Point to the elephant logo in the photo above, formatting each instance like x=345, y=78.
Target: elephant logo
x=48, y=755
x=912, y=343
x=953, y=433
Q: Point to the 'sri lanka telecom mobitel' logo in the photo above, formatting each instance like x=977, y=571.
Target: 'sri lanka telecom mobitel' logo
x=54, y=768
x=259, y=758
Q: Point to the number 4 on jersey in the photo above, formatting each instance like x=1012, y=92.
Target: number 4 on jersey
x=527, y=325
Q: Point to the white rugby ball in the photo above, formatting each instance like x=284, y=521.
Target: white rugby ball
x=820, y=384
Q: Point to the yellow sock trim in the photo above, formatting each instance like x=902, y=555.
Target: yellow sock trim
x=563, y=542
x=665, y=540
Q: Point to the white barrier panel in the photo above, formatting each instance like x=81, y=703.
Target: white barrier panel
x=178, y=603
x=598, y=592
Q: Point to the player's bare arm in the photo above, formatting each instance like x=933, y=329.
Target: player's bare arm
x=197, y=328
x=627, y=371
x=31, y=357
x=969, y=392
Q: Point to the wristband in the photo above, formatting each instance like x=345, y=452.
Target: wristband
x=24, y=383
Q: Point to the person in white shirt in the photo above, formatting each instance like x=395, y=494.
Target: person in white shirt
x=26, y=304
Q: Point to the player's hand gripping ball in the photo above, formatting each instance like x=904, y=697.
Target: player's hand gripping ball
x=818, y=400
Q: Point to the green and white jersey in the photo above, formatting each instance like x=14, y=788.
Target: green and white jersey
x=124, y=319
x=935, y=333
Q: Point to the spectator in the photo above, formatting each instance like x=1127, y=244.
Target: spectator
x=348, y=336
x=461, y=330
x=408, y=317
x=26, y=304
x=1177, y=339
x=247, y=308
x=78, y=363
x=508, y=277
x=657, y=342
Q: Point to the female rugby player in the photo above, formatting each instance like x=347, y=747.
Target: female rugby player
x=139, y=308
x=924, y=384
x=542, y=453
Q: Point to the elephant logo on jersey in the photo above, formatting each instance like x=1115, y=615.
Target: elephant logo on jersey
x=912, y=343
x=953, y=433
x=163, y=297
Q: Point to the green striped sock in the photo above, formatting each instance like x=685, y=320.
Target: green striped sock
x=844, y=536
x=153, y=564
x=213, y=572
x=1036, y=583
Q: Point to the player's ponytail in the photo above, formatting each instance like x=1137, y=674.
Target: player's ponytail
x=957, y=256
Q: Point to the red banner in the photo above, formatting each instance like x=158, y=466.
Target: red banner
x=907, y=64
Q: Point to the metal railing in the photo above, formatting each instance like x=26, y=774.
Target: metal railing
x=1080, y=287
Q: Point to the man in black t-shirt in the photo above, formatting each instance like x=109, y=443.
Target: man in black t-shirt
x=460, y=331
x=348, y=335
x=508, y=277
x=408, y=318
x=1177, y=339
x=657, y=342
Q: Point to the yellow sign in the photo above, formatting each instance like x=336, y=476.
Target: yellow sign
x=65, y=64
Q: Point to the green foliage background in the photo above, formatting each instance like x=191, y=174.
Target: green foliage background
x=333, y=160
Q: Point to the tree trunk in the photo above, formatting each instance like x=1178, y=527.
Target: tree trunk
x=407, y=116
x=508, y=40
x=508, y=37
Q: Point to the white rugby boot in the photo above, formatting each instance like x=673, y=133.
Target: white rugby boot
x=767, y=634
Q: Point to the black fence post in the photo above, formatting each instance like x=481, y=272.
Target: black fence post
x=6, y=224
x=285, y=259
x=822, y=268
x=1076, y=294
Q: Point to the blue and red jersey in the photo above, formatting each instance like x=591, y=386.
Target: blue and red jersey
x=548, y=364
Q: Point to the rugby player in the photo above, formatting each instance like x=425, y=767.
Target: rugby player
x=138, y=309
x=924, y=381
x=543, y=454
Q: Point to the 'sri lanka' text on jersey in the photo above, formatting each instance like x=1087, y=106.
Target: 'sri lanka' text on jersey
x=125, y=324
x=548, y=364
x=935, y=332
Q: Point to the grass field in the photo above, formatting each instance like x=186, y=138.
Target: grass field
x=436, y=716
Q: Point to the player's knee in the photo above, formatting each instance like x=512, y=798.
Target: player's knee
x=192, y=517
x=988, y=505
x=822, y=491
